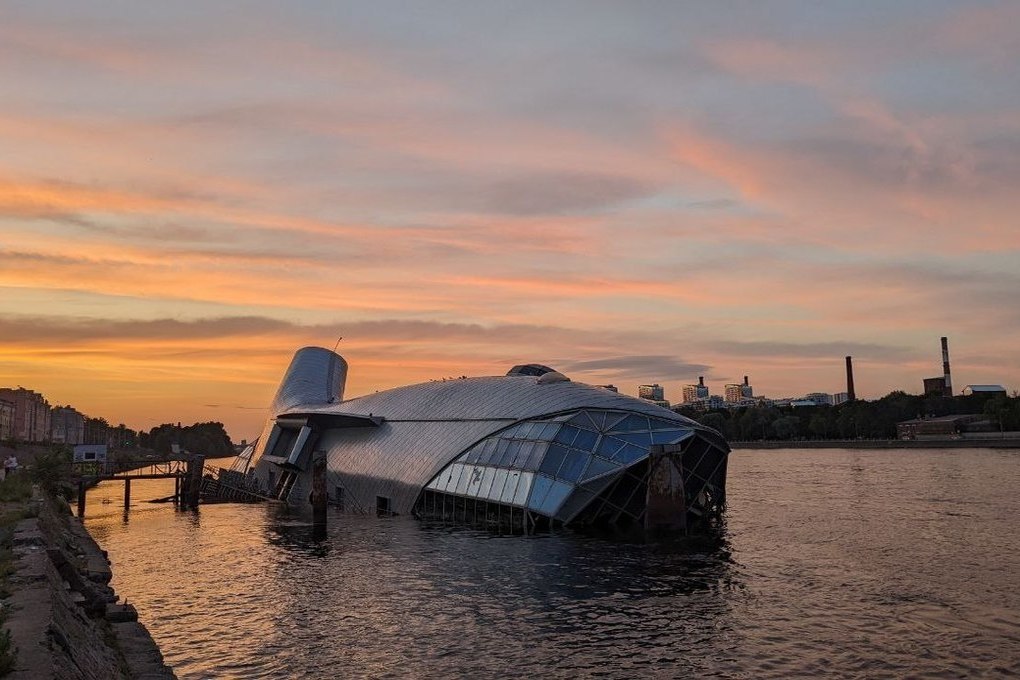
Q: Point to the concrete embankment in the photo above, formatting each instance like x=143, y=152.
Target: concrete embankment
x=63, y=615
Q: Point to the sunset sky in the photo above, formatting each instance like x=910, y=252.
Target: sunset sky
x=629, y=192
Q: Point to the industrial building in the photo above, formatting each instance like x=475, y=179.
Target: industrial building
x=939, y=427
x=519, y=450
x=990, y=390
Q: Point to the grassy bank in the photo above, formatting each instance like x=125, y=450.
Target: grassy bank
x=15, y=493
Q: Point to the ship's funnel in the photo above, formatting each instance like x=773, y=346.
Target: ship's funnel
x=315, y=376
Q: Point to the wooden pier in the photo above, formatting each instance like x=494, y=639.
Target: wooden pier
x=186, y=473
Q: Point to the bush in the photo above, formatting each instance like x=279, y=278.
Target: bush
x=16, y=488
x=51, y=470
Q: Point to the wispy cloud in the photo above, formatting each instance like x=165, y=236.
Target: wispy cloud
x=630, y=196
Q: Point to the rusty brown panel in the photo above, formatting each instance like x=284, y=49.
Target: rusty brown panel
x=666, y=506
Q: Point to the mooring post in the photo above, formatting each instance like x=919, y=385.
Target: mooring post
x=177, y=490
x=194, y=480
x=127, y=493
x=81, y=499
x=319, y=497
x=666, y=505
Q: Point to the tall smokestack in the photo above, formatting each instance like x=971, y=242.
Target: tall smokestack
x=850, y=396
x=745, y=380
x=701, y=381
x=948, y=388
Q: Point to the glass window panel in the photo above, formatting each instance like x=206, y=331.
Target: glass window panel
x=498, y=482
x=558, y=492
x=573, y=465
x=484, y=488
x=566, y=434
x=474, y=475
x=658, y=424
x=456, y=471
x=510, y=432
x=462, y=481
x=639, y=438
x=631, y=423
x=449, y=478
x=608, y=446
x=520, y=461
x=669, y=436
x=585, y=440
x=509, y=452
x=523, y=488
x=599, y=466
x=613, y=418
x=539, y=488
x=583, y=420
x=473, y=454
x=497, y=452
x=485, y=453
x=600, y=419
x=512, y=480
x=629, y=453
x=553, y=458
x=528, y=430
x=549, y=431
x=535, y=456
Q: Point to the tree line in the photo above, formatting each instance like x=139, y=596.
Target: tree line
x=858, y=419
x=209, y=439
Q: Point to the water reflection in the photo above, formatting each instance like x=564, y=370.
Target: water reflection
x=856, y=564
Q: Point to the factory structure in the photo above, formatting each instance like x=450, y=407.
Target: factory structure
x=739, y=395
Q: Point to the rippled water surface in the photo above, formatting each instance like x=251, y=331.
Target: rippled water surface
x=835, y=563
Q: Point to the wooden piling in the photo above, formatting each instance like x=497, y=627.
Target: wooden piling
x=81, y=499
x=319, y=498
x=194, y=481
x=127, y=493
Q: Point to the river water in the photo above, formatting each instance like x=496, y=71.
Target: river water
x=837, y=563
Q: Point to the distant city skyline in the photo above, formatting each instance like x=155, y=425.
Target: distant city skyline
x=629, y=193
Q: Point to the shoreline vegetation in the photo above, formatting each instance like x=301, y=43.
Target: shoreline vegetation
x=994, y=416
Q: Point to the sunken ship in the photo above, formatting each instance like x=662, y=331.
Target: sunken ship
x=527, y=450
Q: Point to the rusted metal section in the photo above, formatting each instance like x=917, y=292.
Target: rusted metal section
x=666, y=502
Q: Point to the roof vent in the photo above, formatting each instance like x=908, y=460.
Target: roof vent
x=528, y=369
x=552, y=377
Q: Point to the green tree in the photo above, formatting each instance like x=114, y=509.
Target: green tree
x=1004, y=412
x=716, y=421
x=786, y=427
x=822, y=423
